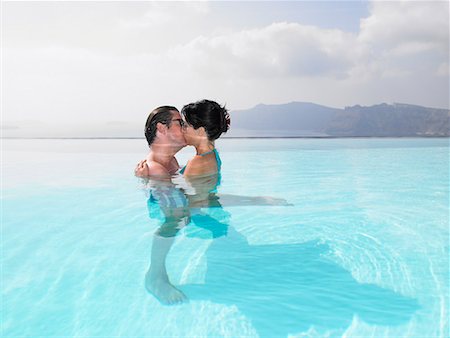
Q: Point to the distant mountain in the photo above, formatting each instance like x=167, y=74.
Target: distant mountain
x=295, y=119
x=290, y=119
x=390, y=120
x=309, y=119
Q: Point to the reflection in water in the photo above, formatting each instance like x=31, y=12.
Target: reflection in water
x=175, y=207
x=178, y=202
x=295, y=285
x=169, y=205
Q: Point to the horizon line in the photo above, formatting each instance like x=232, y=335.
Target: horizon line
x=230, y=137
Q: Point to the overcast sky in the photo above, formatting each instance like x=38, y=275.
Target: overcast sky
x=98, y=68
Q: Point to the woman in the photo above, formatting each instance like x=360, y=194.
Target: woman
x=204, y=122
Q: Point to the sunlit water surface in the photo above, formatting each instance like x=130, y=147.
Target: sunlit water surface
x=362, y=251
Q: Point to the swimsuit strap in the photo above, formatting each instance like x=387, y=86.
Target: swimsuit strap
x=208, y=152
x=218, y=160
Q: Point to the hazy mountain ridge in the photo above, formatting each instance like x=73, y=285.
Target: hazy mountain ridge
x=309, y=119
x=295, y=119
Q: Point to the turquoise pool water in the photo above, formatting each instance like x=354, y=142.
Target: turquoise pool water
x=363, y=250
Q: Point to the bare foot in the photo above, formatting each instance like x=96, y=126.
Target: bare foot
x=276, y=201
x=165, y=292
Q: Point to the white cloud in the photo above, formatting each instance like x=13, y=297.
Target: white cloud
x=164, y=15
x=106, y=28
x=278, y=50
x=398, y=24
x=405, y=37
x=397, y=39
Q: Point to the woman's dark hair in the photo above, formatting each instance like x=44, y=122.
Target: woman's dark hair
x=209, y=115
x=162, y=115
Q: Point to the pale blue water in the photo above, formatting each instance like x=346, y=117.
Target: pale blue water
x=363, y=251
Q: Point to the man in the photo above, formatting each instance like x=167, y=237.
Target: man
x=164, y=134
x=165, y=137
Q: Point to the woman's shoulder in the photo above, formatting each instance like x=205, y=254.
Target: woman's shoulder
x=201, y=165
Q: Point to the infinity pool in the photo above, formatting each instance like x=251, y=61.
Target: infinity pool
x=361, y=248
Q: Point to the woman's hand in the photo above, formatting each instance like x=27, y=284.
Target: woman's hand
x=141, y=169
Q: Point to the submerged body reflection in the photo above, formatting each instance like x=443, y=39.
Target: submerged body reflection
x=175, y=206
x=295, y=285
x=193, y=204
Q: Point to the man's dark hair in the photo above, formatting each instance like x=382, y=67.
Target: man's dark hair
x=162, y=115
x=209, y=115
